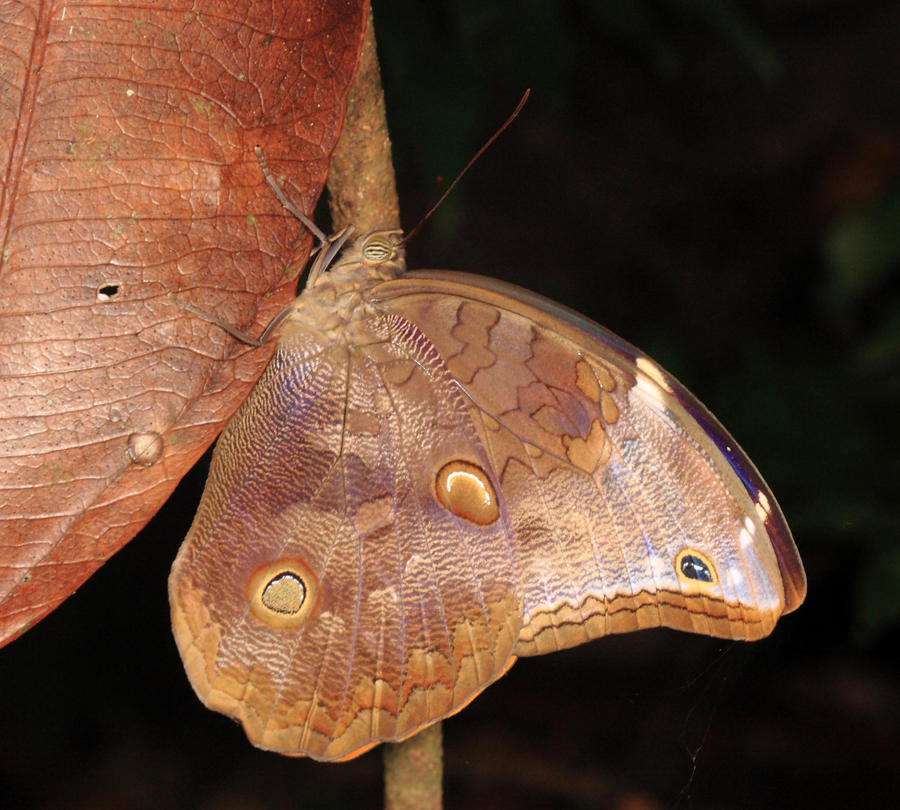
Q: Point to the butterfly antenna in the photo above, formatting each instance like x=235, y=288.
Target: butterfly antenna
x=466, y=168
x=288, y=205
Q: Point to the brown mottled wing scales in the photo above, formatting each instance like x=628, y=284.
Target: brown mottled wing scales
x=631, y=506
x=323, y=597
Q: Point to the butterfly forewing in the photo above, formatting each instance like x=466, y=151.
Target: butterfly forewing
x=626, y=510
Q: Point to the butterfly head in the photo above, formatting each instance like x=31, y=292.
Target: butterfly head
x=376, y=255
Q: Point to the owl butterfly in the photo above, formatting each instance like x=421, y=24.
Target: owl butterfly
x=438, y=473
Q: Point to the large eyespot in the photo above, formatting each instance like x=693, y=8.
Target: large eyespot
x=692, y=565
x=465, y=489
x=282, y=594
x=285, y=593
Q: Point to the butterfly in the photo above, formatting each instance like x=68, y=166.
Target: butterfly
x=436, y=474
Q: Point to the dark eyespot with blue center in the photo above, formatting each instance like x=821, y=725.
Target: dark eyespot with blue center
x=695, y=567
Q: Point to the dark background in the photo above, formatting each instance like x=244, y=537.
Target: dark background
x=719, y=183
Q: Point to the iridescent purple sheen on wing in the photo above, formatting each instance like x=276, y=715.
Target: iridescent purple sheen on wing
x=793, y=575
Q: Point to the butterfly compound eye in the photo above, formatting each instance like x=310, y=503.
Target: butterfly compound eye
x=377, y=250
x=282, y=594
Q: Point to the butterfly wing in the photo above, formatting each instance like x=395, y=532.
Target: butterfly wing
x=323, y=596
x=631, y=506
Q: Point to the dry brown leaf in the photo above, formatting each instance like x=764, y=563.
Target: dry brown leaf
x=128, y=137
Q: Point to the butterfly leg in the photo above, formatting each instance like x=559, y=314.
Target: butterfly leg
x=236, y=333
x=285, y=202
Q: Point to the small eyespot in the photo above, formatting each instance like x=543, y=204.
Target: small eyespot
x=465, y=490
x=691, y=564
x=282, y=594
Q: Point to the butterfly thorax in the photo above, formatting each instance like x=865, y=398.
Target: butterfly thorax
x=335, y=297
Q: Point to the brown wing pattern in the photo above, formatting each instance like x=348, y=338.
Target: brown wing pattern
x=323, y=597
x=631, y=506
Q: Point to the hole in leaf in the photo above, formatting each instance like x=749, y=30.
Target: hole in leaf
x=107, y=292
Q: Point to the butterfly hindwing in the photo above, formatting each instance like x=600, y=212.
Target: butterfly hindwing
x=324, y=596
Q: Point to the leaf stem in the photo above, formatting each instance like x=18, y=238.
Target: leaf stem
x=361, y=183
x=413, y=771
x=363, y=193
